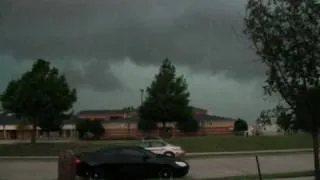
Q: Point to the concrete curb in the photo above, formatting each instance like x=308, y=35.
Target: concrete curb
x=237, y=153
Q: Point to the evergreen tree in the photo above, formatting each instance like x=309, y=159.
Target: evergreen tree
x=167, y=98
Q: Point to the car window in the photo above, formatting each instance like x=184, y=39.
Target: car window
x=132, y=152
x=108, y=151
x=145, y=144
x=157, y=144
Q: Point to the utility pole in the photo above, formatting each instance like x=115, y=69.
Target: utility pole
x=141, y=94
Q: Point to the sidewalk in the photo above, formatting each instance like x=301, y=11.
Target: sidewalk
x=237, y=153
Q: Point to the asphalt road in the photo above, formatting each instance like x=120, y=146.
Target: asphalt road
x=200, y=168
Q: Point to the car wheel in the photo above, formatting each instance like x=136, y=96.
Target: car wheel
x=169, y=154
x=82, y=178
x=165, y=173
x=95, y=176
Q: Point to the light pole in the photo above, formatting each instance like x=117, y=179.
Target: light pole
x=141, y=95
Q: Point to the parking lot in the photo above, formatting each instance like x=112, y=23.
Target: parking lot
x=200, y=168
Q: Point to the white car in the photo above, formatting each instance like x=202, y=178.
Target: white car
x=162, y=147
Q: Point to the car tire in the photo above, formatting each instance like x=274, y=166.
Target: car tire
x=82, y=178
x=169, y=154
x=95, y=176
x=165, y=173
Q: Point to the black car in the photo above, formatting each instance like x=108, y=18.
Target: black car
x=128, y=162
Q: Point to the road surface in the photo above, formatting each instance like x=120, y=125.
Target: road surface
x=300, y=178
x=200, y=168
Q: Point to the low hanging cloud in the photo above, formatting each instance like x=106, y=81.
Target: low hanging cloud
x=88, y=39
x=203, y=35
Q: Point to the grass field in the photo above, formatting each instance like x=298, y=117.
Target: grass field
x=194, y=144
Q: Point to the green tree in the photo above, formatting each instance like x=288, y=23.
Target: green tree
x=146, y=125
x=265, y=117
x=22, y=126
x=240, y=125
x=167, y=97
x=285, y=119
x=50, y=122
x=285, y=35
x=308, y=116
x=82, y=127
x=87, y=126
x=188, y=125
x=40, y=92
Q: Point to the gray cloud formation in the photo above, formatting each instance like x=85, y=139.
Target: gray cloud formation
x=198, y=34
x=93, y=74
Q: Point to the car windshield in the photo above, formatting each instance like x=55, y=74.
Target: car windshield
x=157, y=144
x=146, y=152
x=153, y=143
x=144, y=144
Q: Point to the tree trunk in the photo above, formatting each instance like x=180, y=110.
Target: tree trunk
x=33, y=133
x=315, y=139
x=48, y=133
x=163, y=124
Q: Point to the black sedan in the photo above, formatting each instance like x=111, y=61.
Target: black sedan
x=128, y=162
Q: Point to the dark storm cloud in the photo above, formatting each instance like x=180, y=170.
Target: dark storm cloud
x=95, y=74
x=199, y=34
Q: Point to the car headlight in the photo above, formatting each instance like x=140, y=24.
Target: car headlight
x=181, y=164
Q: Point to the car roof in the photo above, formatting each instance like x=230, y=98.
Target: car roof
x=155, y=140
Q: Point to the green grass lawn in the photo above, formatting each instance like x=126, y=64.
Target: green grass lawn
x=194, y=144
x=238, y=143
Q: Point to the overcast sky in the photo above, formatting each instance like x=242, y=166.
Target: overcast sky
x=110, y=49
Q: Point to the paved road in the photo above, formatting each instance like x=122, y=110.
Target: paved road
x=301, y=178
x=200, y=168
x=234, y=166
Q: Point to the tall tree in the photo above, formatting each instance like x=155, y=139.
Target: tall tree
x=167, y=97
x=40, y=92
x=285, y=118
x=265, y=117
x=22, y=126
x=51, y=122
x=307, y=111
x=285, y=35
x=87, y=126
x=240, y=125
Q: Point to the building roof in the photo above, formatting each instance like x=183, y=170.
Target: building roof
x=125, y=120
x=124, y=110
x=11, y=119
x=204, y=117
x=8, y=119
x=197, y=109
x=197, y=117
